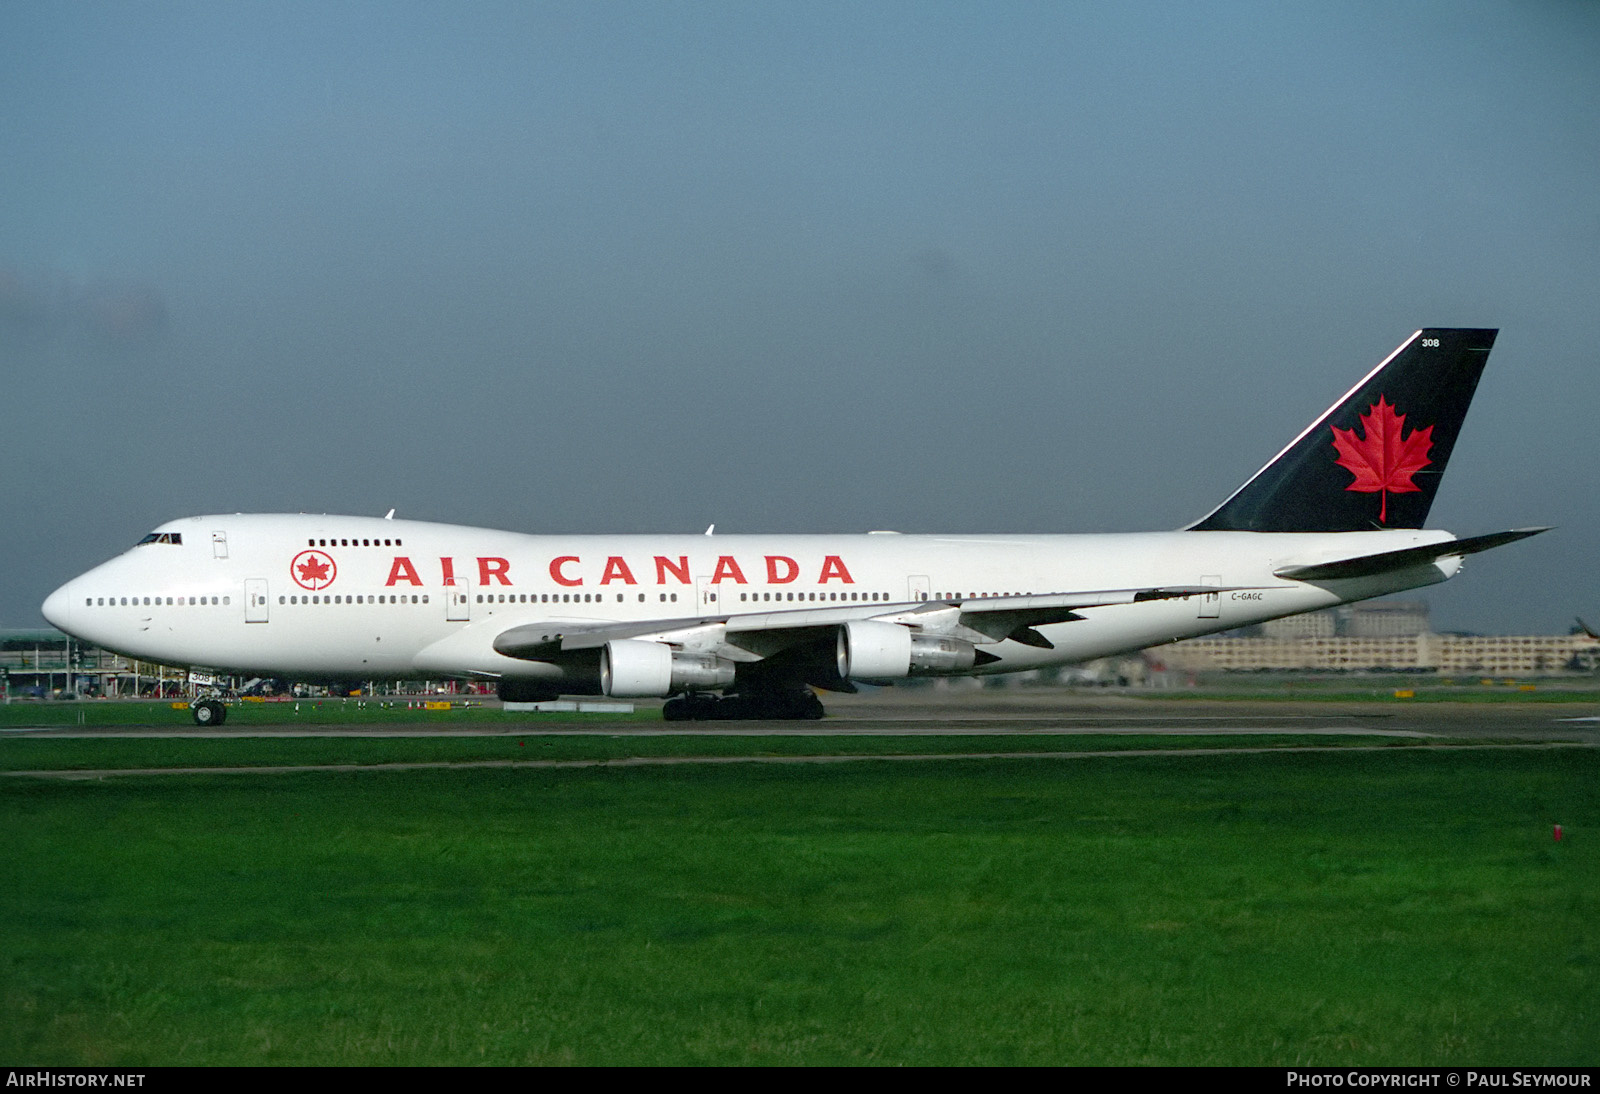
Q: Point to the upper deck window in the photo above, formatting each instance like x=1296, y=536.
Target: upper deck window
x=161, y=537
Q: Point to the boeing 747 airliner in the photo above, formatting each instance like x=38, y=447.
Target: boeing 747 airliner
x=745, y=626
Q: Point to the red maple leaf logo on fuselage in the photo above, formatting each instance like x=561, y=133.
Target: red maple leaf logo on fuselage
x=313, y=570
x=1385, y=458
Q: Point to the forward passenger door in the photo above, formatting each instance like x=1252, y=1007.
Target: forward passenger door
x=255, y=600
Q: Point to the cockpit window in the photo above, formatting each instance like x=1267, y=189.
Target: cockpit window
x=161, y=537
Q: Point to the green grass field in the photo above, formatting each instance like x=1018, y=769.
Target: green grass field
x=1407, y=906
x=137, y=753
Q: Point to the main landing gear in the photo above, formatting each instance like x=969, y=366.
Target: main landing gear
x=798, y=704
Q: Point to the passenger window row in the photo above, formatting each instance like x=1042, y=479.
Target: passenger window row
x=561, y=598
x=152, y=601
x=970, y=596
x=382, y=599
x=514, y=598
x=836, y=596
x=353, y=543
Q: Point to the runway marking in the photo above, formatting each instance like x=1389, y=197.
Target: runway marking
x=669, y=761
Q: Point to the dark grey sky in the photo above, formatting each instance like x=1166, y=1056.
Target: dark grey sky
x=785, y=267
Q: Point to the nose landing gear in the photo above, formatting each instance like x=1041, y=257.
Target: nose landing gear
x=208, y=712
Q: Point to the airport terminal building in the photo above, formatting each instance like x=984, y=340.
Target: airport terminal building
x=1379, y=635
x=40, y=662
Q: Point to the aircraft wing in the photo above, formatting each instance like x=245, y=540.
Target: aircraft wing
x=754, y=636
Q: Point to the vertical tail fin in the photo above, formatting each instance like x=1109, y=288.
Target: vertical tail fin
x=1375, y=458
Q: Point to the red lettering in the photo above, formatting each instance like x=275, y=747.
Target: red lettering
x=833, y=566
x=617, y=570
x=680, y=571
x=774, y=577
x=560, y=578
x=447, y=568
x=726, y=567
x=493, y=568
x=402, y=570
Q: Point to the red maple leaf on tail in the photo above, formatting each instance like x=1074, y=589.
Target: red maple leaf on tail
x=1383, y=460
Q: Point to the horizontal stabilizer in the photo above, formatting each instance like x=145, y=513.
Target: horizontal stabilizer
x=1389, y=561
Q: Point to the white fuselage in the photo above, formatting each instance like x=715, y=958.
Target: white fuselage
x=355, y=598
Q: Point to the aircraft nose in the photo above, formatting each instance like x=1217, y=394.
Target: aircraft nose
x=58, y=608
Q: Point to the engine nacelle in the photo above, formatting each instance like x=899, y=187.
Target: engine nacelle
x=869, y=650
x=631, y=668
x=700, y=672
x=934, y=653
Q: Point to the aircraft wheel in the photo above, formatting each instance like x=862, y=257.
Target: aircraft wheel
x=794, y=708
x=771, y=707
x=759, y=706
x=693, y=708
x=808, y=709
x=210, y=713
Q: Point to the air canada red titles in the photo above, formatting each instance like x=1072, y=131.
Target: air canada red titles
x=572, y=571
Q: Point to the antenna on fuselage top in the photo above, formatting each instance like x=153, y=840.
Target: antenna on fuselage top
x=389, y=515
x=710, y=528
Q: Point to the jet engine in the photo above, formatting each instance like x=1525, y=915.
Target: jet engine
x=631, y=668
x=870, y=650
